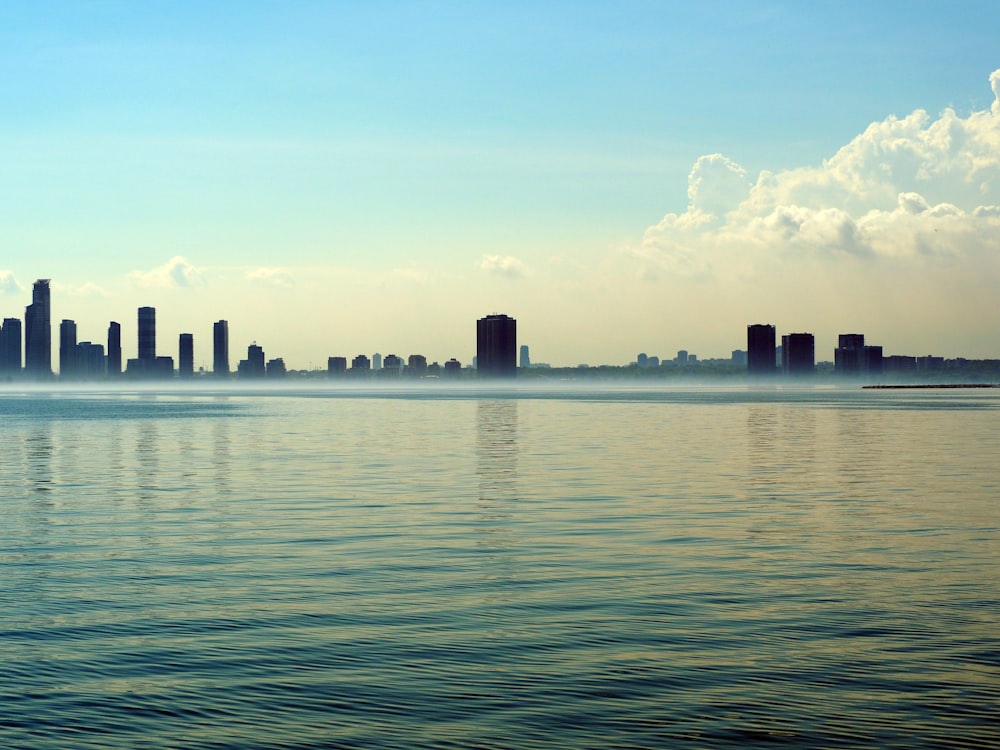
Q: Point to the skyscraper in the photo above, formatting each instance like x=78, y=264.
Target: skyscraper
x=496, y=346
x=849, y=356
x=114, y=349
x=525, y=357
x=760, y=349
x=38, y=331
x=67, y=349
x=10, y=347
x=220, y=348
x=798, y=354
x=147, y=336
x=185, y=359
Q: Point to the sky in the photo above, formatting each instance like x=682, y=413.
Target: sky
x=336, y=178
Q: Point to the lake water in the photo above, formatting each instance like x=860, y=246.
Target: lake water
x=522, y=568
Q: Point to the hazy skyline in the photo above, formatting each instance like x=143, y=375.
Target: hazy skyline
x=335, y=178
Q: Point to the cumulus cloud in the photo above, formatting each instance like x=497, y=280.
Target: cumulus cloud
x=270, y=276
x=176, y=272
x=503, y=265
x=906, y=189
x=9, y=284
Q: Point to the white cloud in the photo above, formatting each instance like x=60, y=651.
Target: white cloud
x=176, y=272
x=503, y=265
x=9, y=284
x=905, y=190
x=87, y=289
x=270, y=276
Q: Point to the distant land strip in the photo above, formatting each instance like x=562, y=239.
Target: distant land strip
x=935, y=385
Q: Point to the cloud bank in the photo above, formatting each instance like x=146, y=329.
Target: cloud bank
x=175, y=273
x=503, y=265
x=9, y=284
x=907, y=189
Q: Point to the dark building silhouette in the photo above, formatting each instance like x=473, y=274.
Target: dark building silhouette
x=361, y=365
x=10, y=347
x=798, y=354
x=336, y=366
x=452, y=368
x=67, y=349
x=392, y=366
x=90, y=361
x=147, y=336
x=416, y=365
x=496, y=347
x=253, y=366
x=220, y=348
x=163, y=367
x=873, y=360
x=38, y=331
x=185, y=358
x=276, y=368
x=761, y=357
x=114, y=360
x=853, y=357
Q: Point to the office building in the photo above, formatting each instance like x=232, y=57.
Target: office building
x=496, y=346
x=416, y=365
x=38, y=331
x=376, y=361
x=67, y=349
x=90, y=361
x=185, y=358
x=798, y=354
x=452, y=368
x=761, y=349
x=10, y=348
x=525, y=357
x=848, y=357
x=220, y=348
x=253, y=366
x=114, y=356
x=336, y=366
x=276, y=368
x=361, y=365
x=147, y=336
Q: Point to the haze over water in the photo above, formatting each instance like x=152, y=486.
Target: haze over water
x=518, y=567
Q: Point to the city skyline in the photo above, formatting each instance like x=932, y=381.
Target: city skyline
x=648, y=177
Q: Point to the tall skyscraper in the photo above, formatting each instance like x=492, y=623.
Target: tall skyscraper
x=10, y=348
x=185, y=359
x=849, y=356
x=798, y=354
x=38, y=331
x=67, y=349
x=147, y=335
x=220, y=348
x=525, y=357
x=114, y=349
x=761, y=349
x=496, y=346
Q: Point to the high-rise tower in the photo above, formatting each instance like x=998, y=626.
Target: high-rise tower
x=38, y=331
x=185, y=359
x=220, y=348
x=67, y=349
x=761, y=349
x=147, y=336
x=114, y=349
x=10, y=347
x=496, y=346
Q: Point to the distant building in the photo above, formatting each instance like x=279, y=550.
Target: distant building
x=336, y=366
x=163, y=367
x=67, y=349
x=496, y=346
x=376, y=361
x=114, y=357
x=452, y=368
x=361, y=366
x=416, y=365
x=38, y=332
x=185, y=358
x=760, y=349
x=392, y=366
x=147, y=335
x=10, y=348
x=91, y=363
x=276, y=368
x=848, y=357
x=681, y=358
x=653, y=362
x=798, y=354
x=255, y=362
x=641, y=359
x=738, y=358
x=525, y=357
x=220, y=348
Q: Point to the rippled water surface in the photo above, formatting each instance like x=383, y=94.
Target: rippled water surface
x=628, y=568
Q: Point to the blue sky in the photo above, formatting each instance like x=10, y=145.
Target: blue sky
x=393, y=170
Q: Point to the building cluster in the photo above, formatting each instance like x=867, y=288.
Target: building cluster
x=85, y=360
x=796, y=356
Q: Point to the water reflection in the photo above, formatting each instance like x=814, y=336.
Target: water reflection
x=496, y=472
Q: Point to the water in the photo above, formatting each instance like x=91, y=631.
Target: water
x=628, y=568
